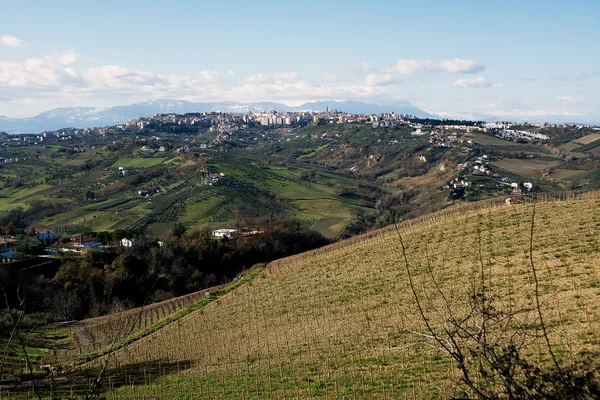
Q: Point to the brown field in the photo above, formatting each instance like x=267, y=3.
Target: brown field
x=587, y=139
x=567, y=174
x=342, y=322
x=525, y=167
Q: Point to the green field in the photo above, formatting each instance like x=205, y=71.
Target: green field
x=138, y=162
x=486, y=140
x=11, y=198
x=200, y=213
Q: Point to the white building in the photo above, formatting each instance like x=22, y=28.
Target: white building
x=8, y=246
x=44, y=235
x=79, y=243
x=127, y=242
x=224, y=232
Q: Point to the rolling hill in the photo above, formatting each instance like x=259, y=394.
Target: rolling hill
x=343, y=321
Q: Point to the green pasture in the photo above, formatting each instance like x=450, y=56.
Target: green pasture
x=11, y=198
x=486, y=140
x=138, y=162
x=199, y=213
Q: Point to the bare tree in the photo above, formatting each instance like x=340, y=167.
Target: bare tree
x=16, y=316
x=488, y=341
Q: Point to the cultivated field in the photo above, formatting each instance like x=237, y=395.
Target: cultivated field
x=342, y=322
x=587, y=139
x=523, y=167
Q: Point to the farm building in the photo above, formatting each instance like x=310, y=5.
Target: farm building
x=8, y=246
x=224, y=232
x=45, y=235
x=127, y=242
x=79, y=243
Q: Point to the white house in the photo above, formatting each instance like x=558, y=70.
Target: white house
x=45, y=235
x=127, y=242
x=79, y=243
x=8, y=246
x=224, y=232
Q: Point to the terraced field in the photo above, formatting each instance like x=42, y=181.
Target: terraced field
x=343, y=322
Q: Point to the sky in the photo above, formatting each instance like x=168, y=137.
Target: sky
x=453, y=58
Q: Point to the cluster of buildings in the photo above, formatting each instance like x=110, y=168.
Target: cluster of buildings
x=9, y=244
x=79, y=243
x=226, y=233
x=75, y=244
x=230, y=123
x=472, y=174
x=505, y=132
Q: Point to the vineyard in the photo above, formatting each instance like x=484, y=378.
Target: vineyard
x=343, y=322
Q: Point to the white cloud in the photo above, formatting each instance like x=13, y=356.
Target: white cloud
x=419, y=67
x=11, y=41
x=67, y=58
x=59, y=80
x=277, y=78
x=37, y=73
x=478, y=82
x=56, y=81
x=381, y=80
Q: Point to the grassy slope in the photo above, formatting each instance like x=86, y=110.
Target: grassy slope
x=330, y=322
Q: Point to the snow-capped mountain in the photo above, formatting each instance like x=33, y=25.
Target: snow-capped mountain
x=82, y=117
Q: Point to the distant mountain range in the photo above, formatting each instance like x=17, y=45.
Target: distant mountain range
x=83, y=117
x=551, y=119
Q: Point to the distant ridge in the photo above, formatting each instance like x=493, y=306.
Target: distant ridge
x=83, y=117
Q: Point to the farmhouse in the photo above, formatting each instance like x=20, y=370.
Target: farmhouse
x=79, y=243
x=44, y=235
x=224, y=233
x=8, y=246
x=127, y=242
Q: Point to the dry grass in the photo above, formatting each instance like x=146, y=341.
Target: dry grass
x=333, y=322
x=587, y=139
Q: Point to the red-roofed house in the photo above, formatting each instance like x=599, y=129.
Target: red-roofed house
x=79, y=243
x=44, y=235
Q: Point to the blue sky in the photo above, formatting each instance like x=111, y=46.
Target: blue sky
x=505, y=58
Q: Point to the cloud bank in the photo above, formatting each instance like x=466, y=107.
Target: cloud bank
x=59, y=79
